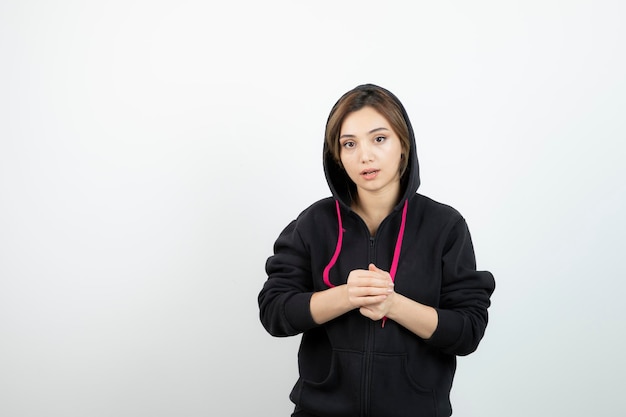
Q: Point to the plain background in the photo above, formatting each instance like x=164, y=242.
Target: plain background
x=152, y=151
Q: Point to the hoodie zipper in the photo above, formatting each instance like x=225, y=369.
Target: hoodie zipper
x=369, y=339
x=369, y=347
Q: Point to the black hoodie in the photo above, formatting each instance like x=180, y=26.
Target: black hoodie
x=353, y=366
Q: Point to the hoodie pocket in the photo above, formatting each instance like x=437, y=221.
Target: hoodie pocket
x=339, y=393
x=395, y=393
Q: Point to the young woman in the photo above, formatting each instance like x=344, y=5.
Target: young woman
x=380, y=281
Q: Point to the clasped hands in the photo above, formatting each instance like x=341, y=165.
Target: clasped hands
x=371, y=291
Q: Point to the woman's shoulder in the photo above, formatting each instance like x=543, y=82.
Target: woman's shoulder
x=313, y=219
x=323, y=204
x=433, y=209
x=322, y=208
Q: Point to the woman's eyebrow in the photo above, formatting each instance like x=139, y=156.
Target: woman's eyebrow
x=378, y=129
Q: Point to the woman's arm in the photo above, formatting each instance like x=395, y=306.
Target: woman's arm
x=458, y=323
x=418, y=318
x=329, y=304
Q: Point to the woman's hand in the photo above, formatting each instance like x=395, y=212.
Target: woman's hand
x=371, y=291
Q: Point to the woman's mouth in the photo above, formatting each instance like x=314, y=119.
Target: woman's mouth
x=369, y=174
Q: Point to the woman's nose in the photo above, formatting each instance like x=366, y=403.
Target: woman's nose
x=366, y=153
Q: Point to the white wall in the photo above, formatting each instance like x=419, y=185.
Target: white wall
x=151, y=152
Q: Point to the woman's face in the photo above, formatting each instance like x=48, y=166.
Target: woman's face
x=370, y=151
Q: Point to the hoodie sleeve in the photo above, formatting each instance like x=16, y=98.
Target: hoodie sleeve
x=284, y=300
x=465, y=295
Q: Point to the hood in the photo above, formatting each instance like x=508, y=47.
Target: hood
x=340, y=184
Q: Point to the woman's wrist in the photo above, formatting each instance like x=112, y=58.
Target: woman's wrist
x=329, y=304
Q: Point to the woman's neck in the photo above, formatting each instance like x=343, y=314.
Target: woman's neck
x=373, y=208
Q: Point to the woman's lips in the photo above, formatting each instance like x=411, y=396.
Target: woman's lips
x=369, y=174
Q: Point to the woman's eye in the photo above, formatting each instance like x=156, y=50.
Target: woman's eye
x=348, y=144
x=380, y=139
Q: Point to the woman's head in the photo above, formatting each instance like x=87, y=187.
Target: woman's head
x=382, y=102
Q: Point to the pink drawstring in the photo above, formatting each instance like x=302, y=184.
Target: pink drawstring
x=396, y=252
x=337, y=249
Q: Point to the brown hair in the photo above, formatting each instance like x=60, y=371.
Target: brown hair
x=380, y=100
